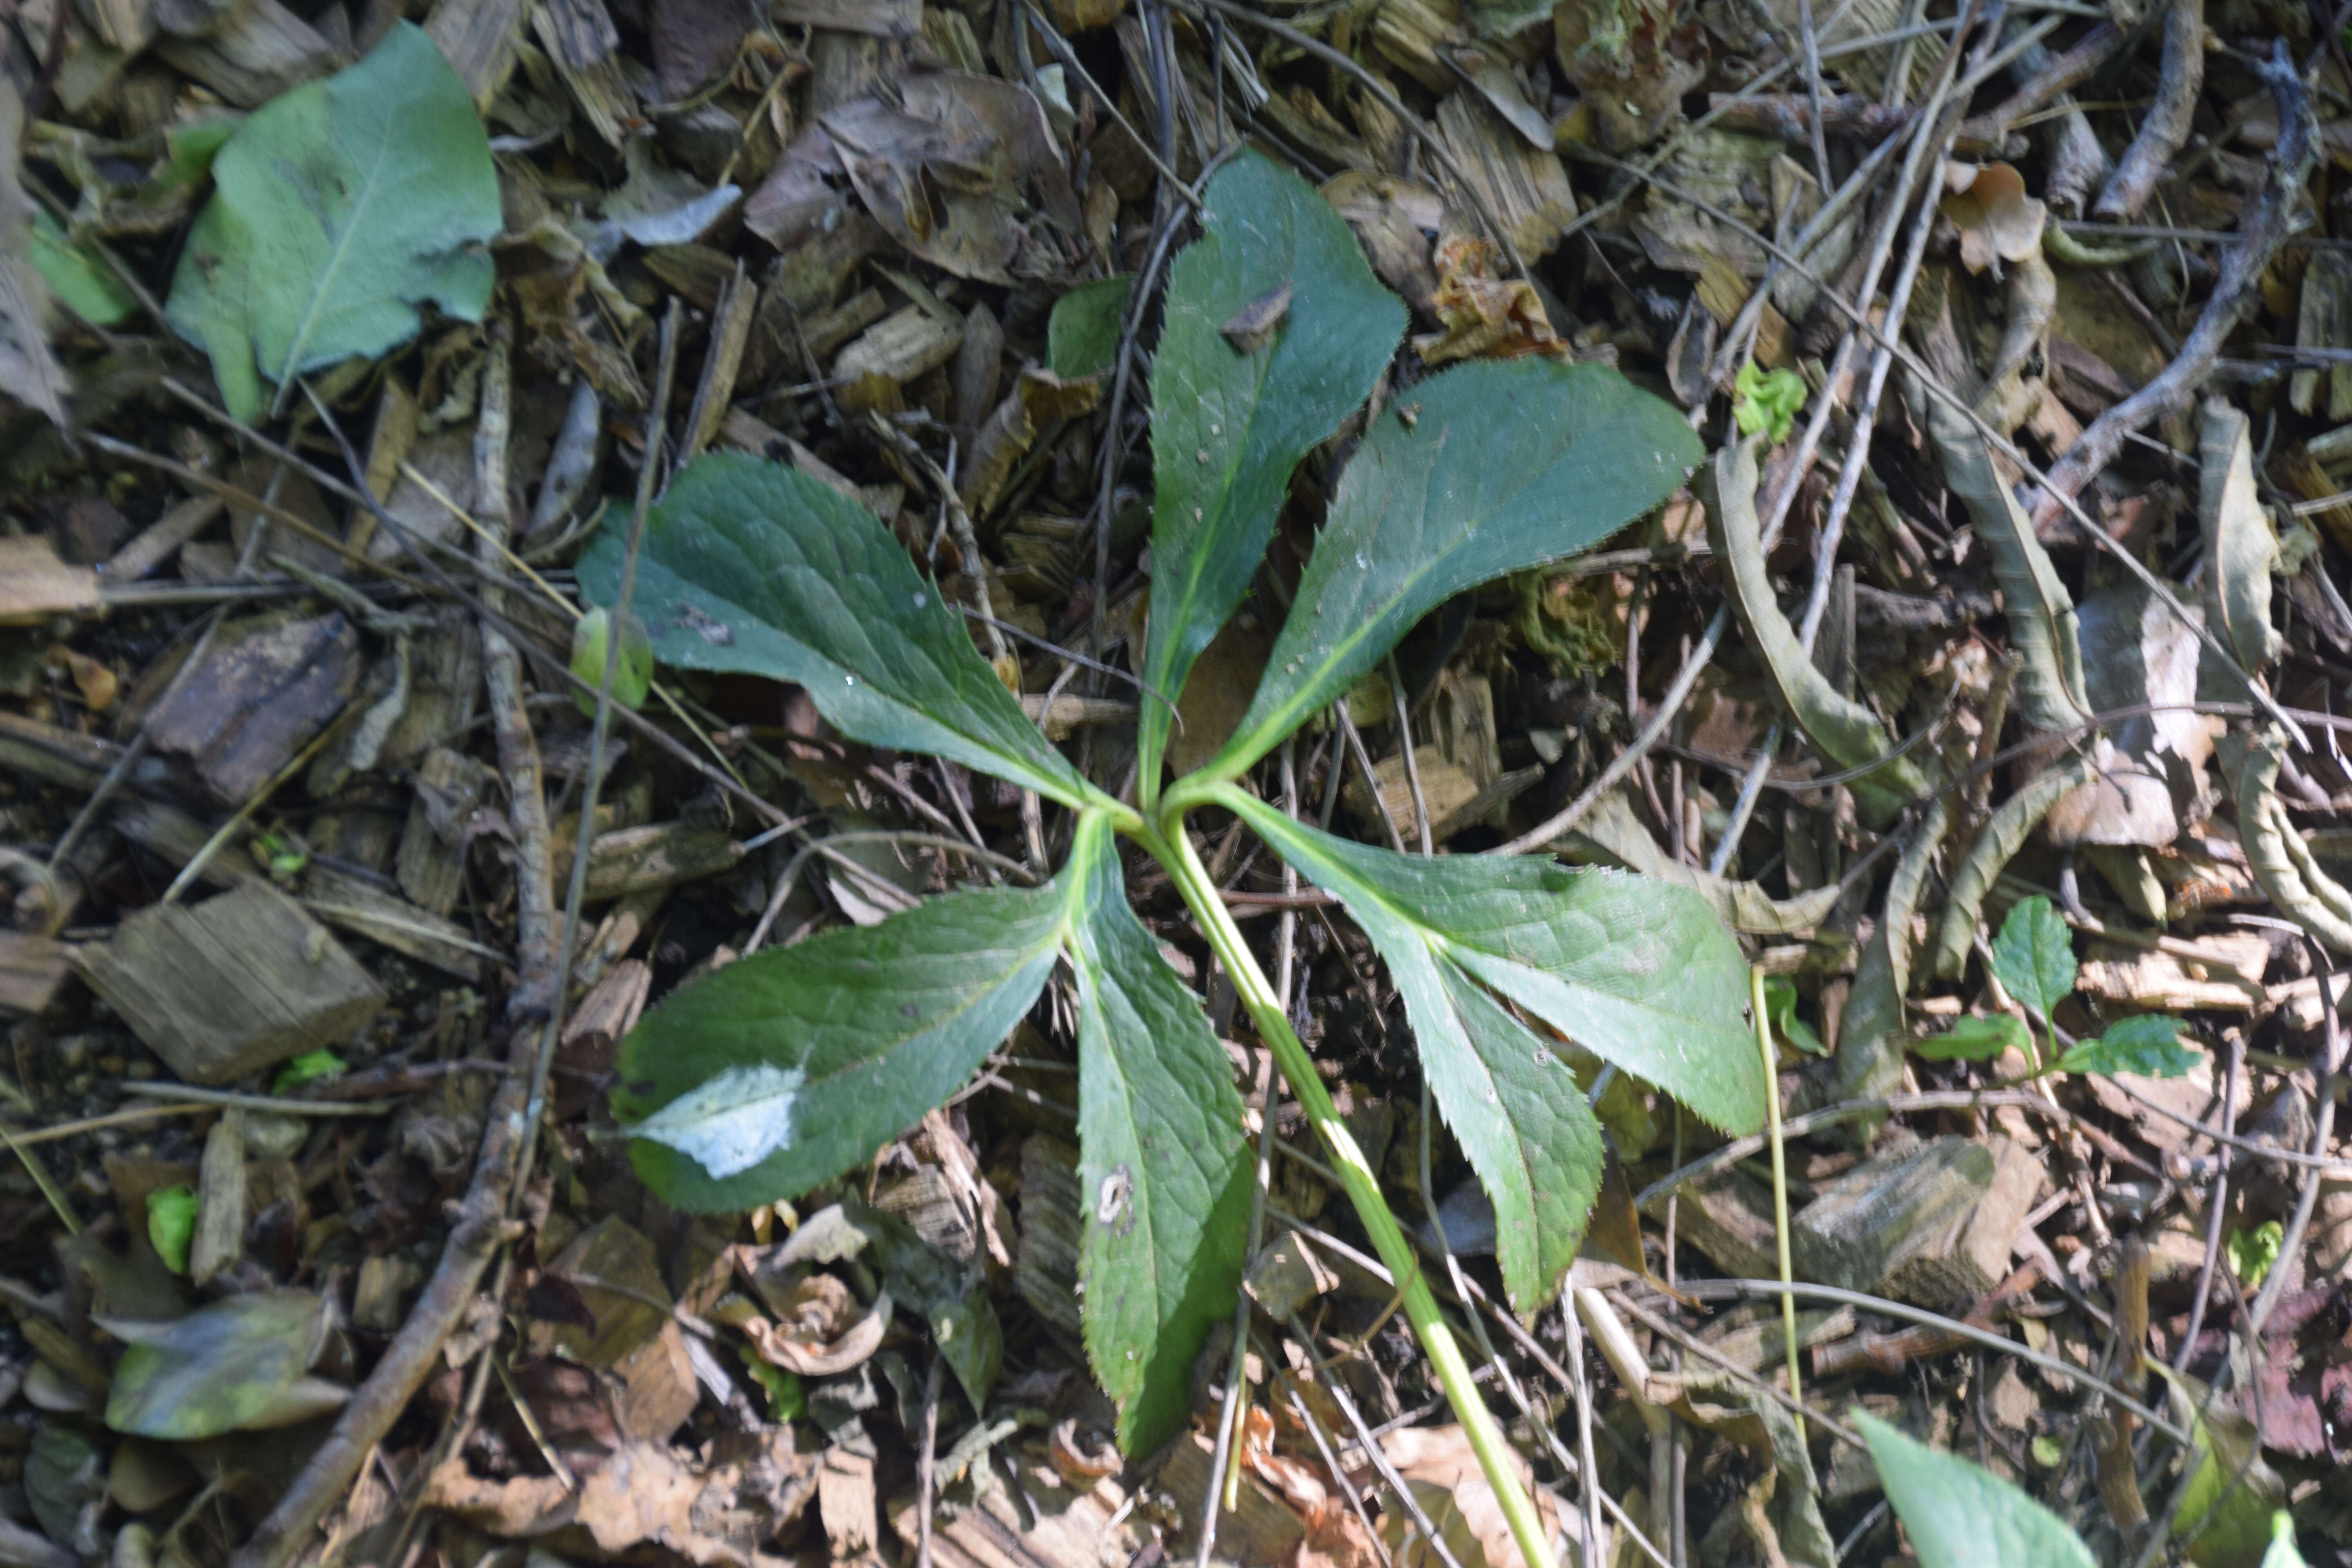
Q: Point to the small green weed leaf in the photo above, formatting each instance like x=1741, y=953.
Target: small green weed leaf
x=755, y=1083
x=1229, y=421
x=78, y=276
x=339, y=208
x=1487, y=469
x=1082, y=334
x=2033, y=956
x=2149, y=1044
x=1780, y=1006
x=1767, y=401
x=2252, y=1252
x=1975, y=1039
x=310, y=1067
x=215, y=1370
x=751, y=567
x=171, y=1225
x=2223, y=1520
x=1163, y=1165
x=1636, y=970
x=2282, y=1552
x=1961, y=1515
x=592, y=637
x=787, y=1401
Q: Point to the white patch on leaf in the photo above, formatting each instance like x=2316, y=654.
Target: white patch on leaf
x=730, y=1123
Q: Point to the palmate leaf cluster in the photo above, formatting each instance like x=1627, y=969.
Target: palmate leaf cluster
x=780, y=1071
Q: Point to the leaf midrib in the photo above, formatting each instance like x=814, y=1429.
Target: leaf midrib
x=351, y=227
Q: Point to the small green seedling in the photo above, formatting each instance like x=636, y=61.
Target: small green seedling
x=1767, y=401
x=171, y=1225
x=763, y=1080
x=308, y=1068
x=2252, y=1251
x=282, y=854
x=2033, y=959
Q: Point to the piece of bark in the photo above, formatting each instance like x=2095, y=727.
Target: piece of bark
x=153, y=544
x=694, y=42
x=260, y=50
x=477, y=38
x=900, y=347
x=876, y=18
x=1971, y=1255
x=658, y=855
x=1045, y=1265
x=175, y=836
x=31, y=969
x=1259, y=1533
x=1728, y=1216
x=361, y=907
x=2324, y=322
x=219, y=1239
x=444, y=682
x=231, y=986
x=35, y=585
x=571, y=30
x=1864, y=1224
x=2231, y=981
x=731, y=329
x=1051, y=1523
x=266, y=687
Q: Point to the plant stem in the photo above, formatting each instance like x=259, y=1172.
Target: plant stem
x=1174, y=849
x=1780, y=1179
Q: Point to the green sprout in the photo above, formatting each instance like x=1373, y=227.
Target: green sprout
x=1767, y=400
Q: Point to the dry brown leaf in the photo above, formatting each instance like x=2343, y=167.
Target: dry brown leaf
x=1439, y=1465
x=958, y=173
x=1996, y=219
x=820, y=1358
x=1484, y=316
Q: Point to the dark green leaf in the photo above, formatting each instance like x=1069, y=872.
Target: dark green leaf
x=1780, y=1007
x=340, y=208
x=1975, y=1039
x=1082, y=334
x=2149, y=1044
x=171, y=1225
x=2033, y=956
x=216, y=1369
x=1637, y=971
x=1960, y=1515
x=753, y=1084
x=1229, y=424
x=753, y=567
x=632, y=676
x=1163, y=1168
x=1486, y=469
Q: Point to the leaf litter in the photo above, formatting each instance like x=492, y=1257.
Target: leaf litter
x=1850, y=493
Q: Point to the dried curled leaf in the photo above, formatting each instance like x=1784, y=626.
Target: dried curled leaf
x=1850, y=732
x=2276, y=852
x=1997, y=221
x=2003, y=835
x=2240, y=546
x=2041, y=629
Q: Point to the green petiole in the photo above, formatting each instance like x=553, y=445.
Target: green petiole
x=1174, y=849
